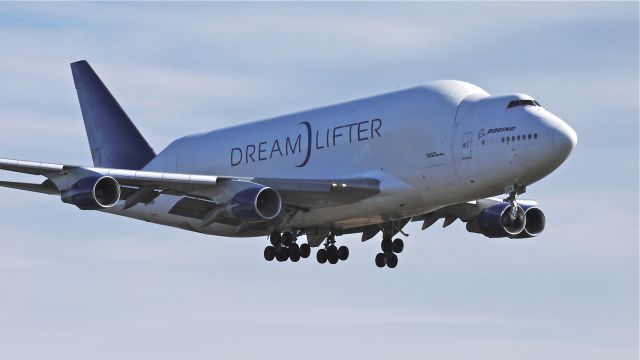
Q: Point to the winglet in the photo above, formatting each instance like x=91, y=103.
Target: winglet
x=114, y=140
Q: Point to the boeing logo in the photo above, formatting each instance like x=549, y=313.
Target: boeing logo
x=484, y=132
x=308, y=139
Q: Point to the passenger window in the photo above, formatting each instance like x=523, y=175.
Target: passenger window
x=502, y=139
x=535, y=136
x=513, y=138
x=529, y=136
x=518, y=137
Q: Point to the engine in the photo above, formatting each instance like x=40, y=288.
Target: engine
x=93, y=193
x=499, y=221
x=255, y=203
x=534, y=222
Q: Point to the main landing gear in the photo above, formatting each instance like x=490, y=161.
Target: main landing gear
x=388, y=255
x=332, y=253
x=284, y=247
x=390, y=248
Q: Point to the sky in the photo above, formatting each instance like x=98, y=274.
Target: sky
x=77, y=285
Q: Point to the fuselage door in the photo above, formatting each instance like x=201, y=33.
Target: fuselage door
x=467, y=140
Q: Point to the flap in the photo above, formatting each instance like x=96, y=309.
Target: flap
x=46, y=187
x=310, y=193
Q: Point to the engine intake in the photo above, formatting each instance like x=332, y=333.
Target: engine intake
x=535, y=222
x=93, y=193
x=255, y=203
x=499, y=221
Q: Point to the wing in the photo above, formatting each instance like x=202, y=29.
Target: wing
x=464, y=211
x=202, y=193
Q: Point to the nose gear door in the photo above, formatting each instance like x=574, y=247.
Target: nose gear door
x=467, y=139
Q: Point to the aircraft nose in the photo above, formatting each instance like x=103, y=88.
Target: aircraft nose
x=564, y=138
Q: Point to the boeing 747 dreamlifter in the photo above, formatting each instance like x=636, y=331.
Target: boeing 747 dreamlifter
x=369, y=166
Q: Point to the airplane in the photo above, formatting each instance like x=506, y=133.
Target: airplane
x=445, y=150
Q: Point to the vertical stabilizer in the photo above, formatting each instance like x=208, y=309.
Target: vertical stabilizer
x=115, y=142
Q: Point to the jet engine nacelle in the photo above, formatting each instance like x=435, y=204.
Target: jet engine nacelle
x=499, y=221
x=534, y=222
x=256, y=203
x=93, y=193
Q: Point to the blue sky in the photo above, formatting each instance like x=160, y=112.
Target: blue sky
x=80, y=284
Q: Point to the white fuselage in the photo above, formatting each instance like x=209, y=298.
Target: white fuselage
x=430, y=146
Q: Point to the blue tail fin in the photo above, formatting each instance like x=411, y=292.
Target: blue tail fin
x=115, y=142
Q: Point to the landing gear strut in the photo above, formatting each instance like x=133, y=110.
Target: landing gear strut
x=331, y=252
x=284, y=247
x=512, y=191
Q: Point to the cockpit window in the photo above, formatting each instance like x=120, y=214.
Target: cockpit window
x=515, y=103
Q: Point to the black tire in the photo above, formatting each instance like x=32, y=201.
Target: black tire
x=294, y=249
x=343, y=253
x=287, y=238
x=398, y=246
x=269, y=253
x=294, y=256
x=283, y=254
x=305, y=250
x=386, y=245
x=392, y=260
x=332, y=253
x=321, y=256
x=275, y=238
x=381, y=260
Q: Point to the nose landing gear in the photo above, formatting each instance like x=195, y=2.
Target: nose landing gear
x=284, y=247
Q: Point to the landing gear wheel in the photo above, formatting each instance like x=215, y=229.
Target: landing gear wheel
x=287, y=238
x=305, y=251
x=294, y=256
x=294, y=249
x=343, y=253
x=321, y=256
x=332, y=254
x=275, y=238
x=386, y=245
x=283, y=254
x=381, y=260
x=269, y=253
x=392, y=260
x=398, y=246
